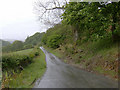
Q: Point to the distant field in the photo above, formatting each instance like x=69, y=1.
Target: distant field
x=22, y=52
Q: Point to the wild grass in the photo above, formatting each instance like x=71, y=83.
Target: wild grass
x=22, y=52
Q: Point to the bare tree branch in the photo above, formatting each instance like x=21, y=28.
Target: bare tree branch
x=55, y=8
x=49, y=12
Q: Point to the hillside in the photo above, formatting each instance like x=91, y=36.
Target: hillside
x=34, y=39
x=17, y=45
x=4, y=43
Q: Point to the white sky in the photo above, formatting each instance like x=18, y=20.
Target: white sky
x=17, y=20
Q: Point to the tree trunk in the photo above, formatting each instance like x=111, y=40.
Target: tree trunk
x=76, y=35
x=113, y=26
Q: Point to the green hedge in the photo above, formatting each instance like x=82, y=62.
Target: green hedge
x=16, y=61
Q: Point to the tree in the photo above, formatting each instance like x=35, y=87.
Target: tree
x=28, y=46
x=49, y=12
x=17, y=45
x=75, y=15
x=113, y=15
x=96, y=18
x=54, y=41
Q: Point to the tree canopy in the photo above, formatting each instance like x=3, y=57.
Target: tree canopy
x=98, y=19
x=4, y=43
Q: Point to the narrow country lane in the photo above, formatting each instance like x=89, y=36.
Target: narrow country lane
x=61, y=75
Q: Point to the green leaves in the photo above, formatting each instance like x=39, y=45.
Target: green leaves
x=54, y=41
x=56, y=36
x=92, y=16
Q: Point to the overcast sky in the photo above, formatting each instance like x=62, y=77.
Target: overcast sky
x=17, y=20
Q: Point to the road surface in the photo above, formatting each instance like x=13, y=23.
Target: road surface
x=61, y=75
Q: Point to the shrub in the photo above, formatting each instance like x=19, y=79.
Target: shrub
x=54, y=41
x=28, y=46
x=14, y=61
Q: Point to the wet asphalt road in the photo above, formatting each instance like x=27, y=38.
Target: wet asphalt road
x=61, y=75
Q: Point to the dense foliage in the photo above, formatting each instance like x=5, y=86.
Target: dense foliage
x=15, y=46
x=83, y=21
x=55, y=41
x=56, y=36
x=98, y=20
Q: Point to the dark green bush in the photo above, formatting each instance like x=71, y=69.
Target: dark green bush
x=54, y=41
x=28, y=46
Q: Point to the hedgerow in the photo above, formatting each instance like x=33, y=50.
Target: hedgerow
x=13, y=61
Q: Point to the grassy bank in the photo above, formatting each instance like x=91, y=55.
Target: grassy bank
x=89, y=56
x=27, y=77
